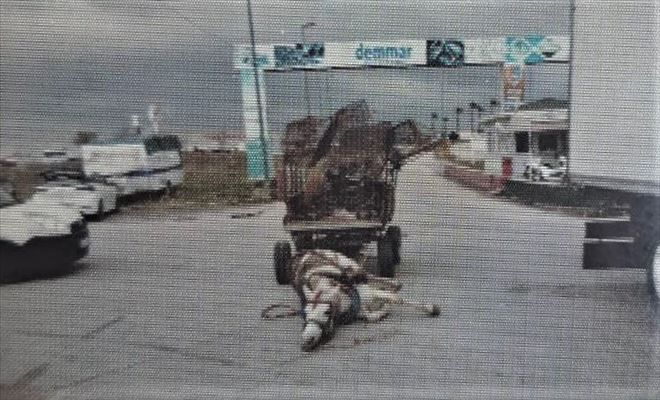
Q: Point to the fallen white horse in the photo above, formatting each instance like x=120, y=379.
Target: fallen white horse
x=335, y=290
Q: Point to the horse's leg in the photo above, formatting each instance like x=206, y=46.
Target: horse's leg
x=388, y=284
x=370, y=298
x=394, y=298
x=375, y=316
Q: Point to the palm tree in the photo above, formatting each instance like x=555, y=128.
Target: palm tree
x=473, y=106
x=480, y=109
x=459, y=111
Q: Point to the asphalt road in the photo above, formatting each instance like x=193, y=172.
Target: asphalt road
x=167, y=306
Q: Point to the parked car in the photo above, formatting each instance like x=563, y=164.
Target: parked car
x=545, y=171
x=37, y=240
x=90, y=199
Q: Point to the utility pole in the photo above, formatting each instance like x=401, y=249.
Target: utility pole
x=262, y=134
x=305, y=87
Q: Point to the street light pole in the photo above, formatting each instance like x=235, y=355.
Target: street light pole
x=262, y=134
x=305, y=87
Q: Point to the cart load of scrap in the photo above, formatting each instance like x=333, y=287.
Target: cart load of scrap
x=343, y=167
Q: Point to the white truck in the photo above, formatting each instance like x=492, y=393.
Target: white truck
x=38, y=239
x=614, y=141
x=141, y=165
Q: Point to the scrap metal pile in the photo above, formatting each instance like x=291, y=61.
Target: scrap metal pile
x=340, y=168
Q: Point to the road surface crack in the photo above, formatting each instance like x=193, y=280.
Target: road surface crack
x=186, y=353
x=92, y=334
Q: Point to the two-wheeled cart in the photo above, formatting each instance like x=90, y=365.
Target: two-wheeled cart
x=352, y=210
x=337, y=178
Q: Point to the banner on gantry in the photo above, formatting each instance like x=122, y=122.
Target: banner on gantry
x=527, y=49
x=511, y=52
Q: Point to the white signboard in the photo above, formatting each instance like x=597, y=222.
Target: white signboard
x=484, y=51
x=385, y=54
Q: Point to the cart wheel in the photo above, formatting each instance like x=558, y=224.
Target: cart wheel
x=394, y=233
x=386, y=264
x=282, y=259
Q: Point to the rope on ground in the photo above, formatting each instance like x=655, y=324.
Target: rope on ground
x=286, y=311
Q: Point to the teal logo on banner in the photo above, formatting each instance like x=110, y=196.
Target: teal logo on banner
x=526, y=50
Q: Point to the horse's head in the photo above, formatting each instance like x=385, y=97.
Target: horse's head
x=319, y=312
x=319, y=325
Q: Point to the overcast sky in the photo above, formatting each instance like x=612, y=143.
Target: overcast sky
x=87, y=65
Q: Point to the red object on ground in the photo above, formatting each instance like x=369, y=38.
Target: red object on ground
x=475, y=179
x=507, y=167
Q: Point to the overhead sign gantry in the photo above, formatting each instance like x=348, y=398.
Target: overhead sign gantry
x=510, y=52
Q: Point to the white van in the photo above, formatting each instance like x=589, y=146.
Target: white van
x=141, y=165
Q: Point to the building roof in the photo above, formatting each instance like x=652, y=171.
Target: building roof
x=547, y=114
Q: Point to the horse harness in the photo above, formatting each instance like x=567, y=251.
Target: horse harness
x=345, y=285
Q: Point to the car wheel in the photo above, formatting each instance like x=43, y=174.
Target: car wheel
x=282, y=262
